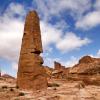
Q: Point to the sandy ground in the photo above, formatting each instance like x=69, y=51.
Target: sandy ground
x=64, y=90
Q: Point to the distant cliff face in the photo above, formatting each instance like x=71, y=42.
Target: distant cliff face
x=87, y=65
x=58, y=66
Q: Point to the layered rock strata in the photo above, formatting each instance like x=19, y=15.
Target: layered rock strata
x=31, y=73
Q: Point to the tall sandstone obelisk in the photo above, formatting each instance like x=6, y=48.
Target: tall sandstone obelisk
x=31, y=73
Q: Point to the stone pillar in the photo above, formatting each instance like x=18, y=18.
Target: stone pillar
x=31, y=73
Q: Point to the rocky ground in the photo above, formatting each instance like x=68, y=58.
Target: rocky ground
x=57, y=90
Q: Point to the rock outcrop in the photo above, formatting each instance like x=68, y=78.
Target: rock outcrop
x=58, y=66
x=87, y=70
x=0, y=73
x=59, y=72
x=87, y=65
x=31, y=73
x=86, y=60
x=48, y=71
x=6, y=76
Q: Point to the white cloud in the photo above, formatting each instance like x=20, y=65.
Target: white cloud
x=71, y=42
x=50, y=34
x=15, y=66
x=61, y=25
x=97, y=5
x=71, y=62
x=90, y=20
x=51, y=7
x=11, y=30
x=64, y=43
x=98, y=53
x=14, y=8
x=11, y=40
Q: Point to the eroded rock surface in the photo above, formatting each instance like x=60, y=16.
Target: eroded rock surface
x=87, y=65
x=87, y=70
x=31, y=73
x=66, y=90
x=59, y=72
x=58, y=66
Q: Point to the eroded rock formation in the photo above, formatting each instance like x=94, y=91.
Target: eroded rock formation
x=0, y=73
x=87, y=70
x=87, y=65
x=58, y=66
x=31, y=73
x=59, y=71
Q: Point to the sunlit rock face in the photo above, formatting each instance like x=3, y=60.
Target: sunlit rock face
x=31, y=73
x=87, y=65
x=59, y=72
x=87, y=70
x=58, y=66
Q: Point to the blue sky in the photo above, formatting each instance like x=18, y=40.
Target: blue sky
x=70, y=29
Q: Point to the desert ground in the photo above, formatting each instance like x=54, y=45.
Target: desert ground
x=58, y=89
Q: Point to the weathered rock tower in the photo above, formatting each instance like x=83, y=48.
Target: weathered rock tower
x=31, y=73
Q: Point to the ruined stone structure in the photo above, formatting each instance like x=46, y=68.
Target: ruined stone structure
x=31, y=73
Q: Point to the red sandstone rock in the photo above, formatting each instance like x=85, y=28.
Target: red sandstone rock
x=31, y=73
x=32, y=33
x=60, y=72
x=86, y=59
x=87, y=70
x=0, y=73
x=6, y=76
x=58, y=66
x=87, y=65
x=48, y=71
